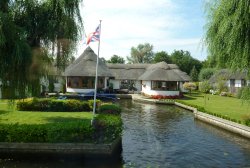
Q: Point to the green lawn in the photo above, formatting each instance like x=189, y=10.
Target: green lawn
x=227, y=106
x=8, y=115
x=53, y=127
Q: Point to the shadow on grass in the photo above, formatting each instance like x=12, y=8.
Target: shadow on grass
x=66, y=119
x=188, y=98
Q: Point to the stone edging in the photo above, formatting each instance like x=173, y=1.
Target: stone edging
x=61, y=148
x=220, y=122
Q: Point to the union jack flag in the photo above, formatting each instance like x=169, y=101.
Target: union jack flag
x=94, y=36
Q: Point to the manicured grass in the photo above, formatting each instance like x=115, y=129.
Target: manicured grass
x=227, y=106
x=31, y=126
x=9, y=115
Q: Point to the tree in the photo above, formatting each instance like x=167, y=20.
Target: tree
x=206, y=73
x=33, y=34
x=189, y=86
x=204, y=87
x=143, y=53
x=162, y=56
x=194, y=74
x=115, y=59
x=184, y=60
x=228, y=33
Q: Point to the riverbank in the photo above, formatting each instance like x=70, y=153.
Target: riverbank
x=236, y=128
x=37, y=132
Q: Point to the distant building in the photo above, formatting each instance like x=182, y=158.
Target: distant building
x=233, y=80
x=150, y=79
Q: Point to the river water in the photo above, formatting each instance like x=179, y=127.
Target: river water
x=160, y=136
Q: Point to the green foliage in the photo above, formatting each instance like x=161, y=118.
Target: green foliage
x=245, y=94
x=143, y=53
x=46, y=104
x=51, y=84
x=73, y=131
x=221, y=85
x=206, y=73
x=162, y=56
x=107, y=127
x=115, y=59
x=31, y=32
x=204, y=87
x=91, y=103
x=109, y=109
x=184, y=61
x=189, y=86
x=194, y=74
x=228, y=33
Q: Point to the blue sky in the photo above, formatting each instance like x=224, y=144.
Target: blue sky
x=166, y=24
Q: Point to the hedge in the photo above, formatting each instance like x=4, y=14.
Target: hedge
x=50, y=104
x=105, y=130
x=109, y=109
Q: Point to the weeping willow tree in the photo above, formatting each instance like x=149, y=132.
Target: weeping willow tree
x=34, y=34
x=228, y=33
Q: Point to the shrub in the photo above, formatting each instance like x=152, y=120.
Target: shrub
x=246, y=119
x=49, y=104
x=107, y=128
x=91, y=103
x=204, y=87
x=189, y=86
x=109, y=109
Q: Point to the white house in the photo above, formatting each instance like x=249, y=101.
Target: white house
x=233, y=80
x=80, y=75
x=151, y=79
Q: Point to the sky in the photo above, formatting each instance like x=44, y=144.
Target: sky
x=166, y=24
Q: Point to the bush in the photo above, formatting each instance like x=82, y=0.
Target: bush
x=91, y=103
x=109, y=109
x=49, y=104
x=246, y=119
x=106, y=129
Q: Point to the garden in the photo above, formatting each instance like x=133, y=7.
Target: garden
x=50, y=120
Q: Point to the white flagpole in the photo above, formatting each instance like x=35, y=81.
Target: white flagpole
x=96, y=73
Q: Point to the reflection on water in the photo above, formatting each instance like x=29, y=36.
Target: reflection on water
x=168, y=136
x=160, y=136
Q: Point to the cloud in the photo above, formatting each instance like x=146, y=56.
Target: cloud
x=129, y=23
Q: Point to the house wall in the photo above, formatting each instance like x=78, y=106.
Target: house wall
x=116, y=83
x=248, y=82
x=138, y=86
x=73, y=90
x=146, y=89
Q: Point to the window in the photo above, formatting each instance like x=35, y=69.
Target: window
x=84, y=82
x=164, y=85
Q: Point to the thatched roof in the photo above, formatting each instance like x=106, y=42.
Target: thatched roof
x=85, y=65
x=227, y=74
x=160, y=71
x=163, y=72
x=127, y=71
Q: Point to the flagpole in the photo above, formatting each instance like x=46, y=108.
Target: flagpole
x=96, y=74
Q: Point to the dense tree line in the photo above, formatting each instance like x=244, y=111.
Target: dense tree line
x=32, y=34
